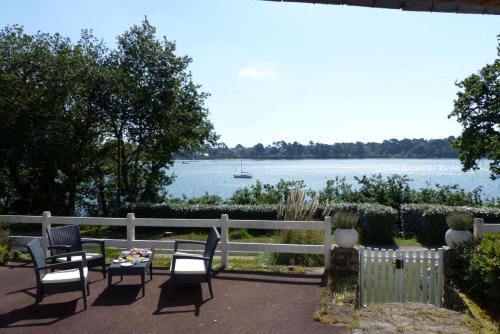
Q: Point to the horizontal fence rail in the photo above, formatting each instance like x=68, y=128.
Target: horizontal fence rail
x=480, y=227
x=224, y=223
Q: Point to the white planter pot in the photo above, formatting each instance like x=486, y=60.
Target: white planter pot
x=346, y=238
x=454, y=237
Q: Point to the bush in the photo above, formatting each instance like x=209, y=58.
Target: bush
x=459, y=221
x=432, y=229
x=478, y=270
x=5, y=246
x=484, y=272
x=239, y=233
x=428, y=221
x=307, y=237
x=345, y=220
x=201, y=211
x=377, y=223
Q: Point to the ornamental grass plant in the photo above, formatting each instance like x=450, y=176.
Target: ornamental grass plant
x=298, y=208
x=345, y=220
x=459, y=221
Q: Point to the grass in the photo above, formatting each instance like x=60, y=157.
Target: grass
x=337, y=301
x=407, y=242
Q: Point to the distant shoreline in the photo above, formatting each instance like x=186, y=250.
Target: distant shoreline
x=319, y=159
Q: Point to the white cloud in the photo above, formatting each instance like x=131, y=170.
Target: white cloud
x=258, y=72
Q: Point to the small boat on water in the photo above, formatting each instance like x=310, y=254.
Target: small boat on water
x=242, y=174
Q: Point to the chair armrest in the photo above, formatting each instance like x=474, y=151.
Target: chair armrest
x=63, y=265
x=69, y=255
x=192, y=242
x=66, y=248
x=97, y=242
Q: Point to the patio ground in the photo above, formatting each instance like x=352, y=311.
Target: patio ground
x=244, y=302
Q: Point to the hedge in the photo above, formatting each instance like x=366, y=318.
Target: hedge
x=428, y=221
x=201, y=211
x=376, y=222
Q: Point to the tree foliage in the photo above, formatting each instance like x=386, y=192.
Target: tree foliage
x=84, y=126
x=477, y=109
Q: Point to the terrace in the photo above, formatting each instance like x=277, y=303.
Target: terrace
x=244, y=302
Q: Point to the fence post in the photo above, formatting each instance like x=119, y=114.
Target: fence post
x=130, y=230
x=45, y=225
x=478, y=227
x=224, y=240
x=327, y=241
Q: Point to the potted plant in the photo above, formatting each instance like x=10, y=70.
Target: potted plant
x=345, y=232
x=459, y=225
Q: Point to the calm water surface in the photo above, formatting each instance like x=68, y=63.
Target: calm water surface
x=194, y=178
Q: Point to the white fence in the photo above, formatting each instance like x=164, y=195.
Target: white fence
x=480, y=227
x=400, y=276
x=224, y=223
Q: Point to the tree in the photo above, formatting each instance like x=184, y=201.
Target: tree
x=49, y=130
x=153, y=110
x=477, y=108
x=82, y=124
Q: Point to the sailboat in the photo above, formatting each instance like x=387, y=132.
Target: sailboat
x=242, y=174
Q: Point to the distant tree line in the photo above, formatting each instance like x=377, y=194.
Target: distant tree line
x=393, y=148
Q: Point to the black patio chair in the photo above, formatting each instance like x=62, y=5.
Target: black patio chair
x=68, y=276
x=193, y=268
x=67, y=239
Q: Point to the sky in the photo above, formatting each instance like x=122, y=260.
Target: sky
x=299, y=72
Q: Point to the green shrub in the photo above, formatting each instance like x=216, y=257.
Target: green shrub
x=239, y=233
x=306, y=237
x=5, y=246
x=459, y=221
x=432, y=229
x=417, y=219
x=477, y=269
x=377, y=224
x=345, y=220
x=484, y=272
x=201, y=211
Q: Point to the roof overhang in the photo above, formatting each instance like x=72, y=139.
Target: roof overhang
x=445, y=6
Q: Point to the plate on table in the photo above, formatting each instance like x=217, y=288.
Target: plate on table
x=126, y=264
x=118, y=260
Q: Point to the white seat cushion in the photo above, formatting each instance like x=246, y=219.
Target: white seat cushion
x=62, y=276
x=189, y=267
x=78, y=258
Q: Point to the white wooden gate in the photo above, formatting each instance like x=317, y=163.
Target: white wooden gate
x=400, y=276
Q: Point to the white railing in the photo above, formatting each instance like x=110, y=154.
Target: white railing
x=224, y=223
x=480, y=227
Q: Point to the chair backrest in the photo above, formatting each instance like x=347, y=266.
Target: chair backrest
x=212, y=241
x=65, y=235
x=37, y=254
